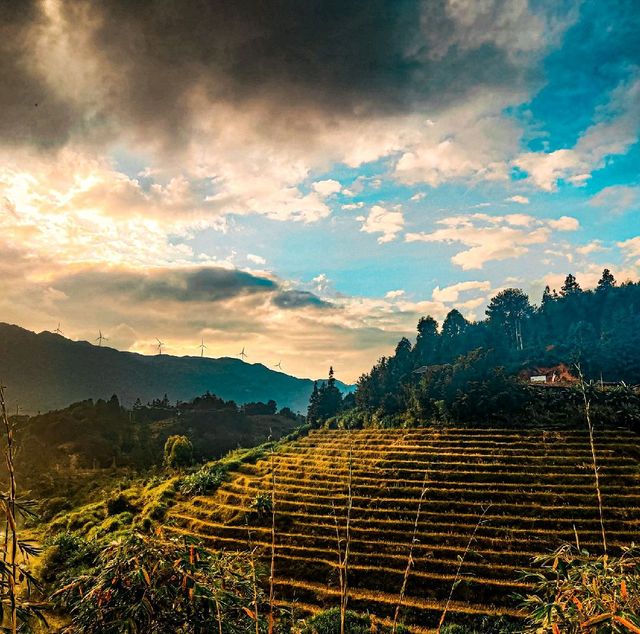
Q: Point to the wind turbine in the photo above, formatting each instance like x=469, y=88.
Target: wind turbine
x=159, y=346
x=241, y=354
x=101, y=338
x=57, y=330
x=278, y=365
x=202, y=348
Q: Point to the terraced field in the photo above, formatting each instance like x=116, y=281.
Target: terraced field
x=535, y=488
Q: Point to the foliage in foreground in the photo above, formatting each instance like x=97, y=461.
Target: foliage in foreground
x=577, y=592
x=156, y=585
x=328, y=622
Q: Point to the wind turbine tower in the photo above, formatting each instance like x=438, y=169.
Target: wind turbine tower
x=57, y=330
x=202, y=348
x=101, y=338
x=242, y=354
x=159, y=346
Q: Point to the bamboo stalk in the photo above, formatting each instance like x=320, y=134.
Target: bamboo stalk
x=252, y=564
x=457, y=575
x=345, y=561
x=410, y=561
x=273, y=545
x=587, y=412
x=11, y=549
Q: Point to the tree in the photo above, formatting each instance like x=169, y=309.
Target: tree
x=547, y=297
x=607, y=281
x=454, y=325
x=313, y=410
x=427, y=341
x=507, y=312
x=178, y=451
x=570, y=286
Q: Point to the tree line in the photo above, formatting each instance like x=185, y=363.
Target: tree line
x=466, y=369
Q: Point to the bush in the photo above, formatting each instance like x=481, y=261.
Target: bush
x=117, y=504
x=262, y=504
x=65, y=556
x=575, y=588
x=328, y=622
x=205, y=480
x=149, y=584
x=178, y=452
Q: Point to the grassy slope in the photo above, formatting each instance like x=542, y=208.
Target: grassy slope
x=535, y=485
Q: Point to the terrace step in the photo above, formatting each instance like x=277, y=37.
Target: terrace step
x=495, y=498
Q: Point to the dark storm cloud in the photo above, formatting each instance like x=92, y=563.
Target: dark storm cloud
x=299, y=299
x=29, y=111
x=343, y=57
x=207, y=284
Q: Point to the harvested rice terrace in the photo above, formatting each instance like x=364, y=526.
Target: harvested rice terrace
x=535, y=488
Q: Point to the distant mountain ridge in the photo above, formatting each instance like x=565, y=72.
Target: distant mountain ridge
x=48, y=371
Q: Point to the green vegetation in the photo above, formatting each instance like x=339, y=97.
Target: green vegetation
x=576, y=591
x=470, y=371
x=147, y=584
x=178, y=452
x=533, y=484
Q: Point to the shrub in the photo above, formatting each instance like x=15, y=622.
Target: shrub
x=148, y=584
x=178, y=451
x=205, y=480
x=328, y=622
x=576, y=591
x=118, y=503
x=66, y=555
x=262, y=504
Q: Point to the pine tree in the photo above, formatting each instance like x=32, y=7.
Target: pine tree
x=570, y=286
x=607, y=281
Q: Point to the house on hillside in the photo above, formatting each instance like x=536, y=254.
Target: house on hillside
x=558, y=374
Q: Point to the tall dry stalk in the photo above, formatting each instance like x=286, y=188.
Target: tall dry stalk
x=456, y=579
x=254, y=578
x=587, y=413
x=273, y=544
x=344, y=599
x=410, y=561
x=343, y=557
x=10, y=553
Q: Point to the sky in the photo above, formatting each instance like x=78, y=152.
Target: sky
x=306, y=179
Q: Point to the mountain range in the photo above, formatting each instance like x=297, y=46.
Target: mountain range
x=44, y=371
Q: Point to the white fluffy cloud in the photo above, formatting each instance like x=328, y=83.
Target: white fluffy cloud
x=381, y=220
x=521, y=200
x=492, y=237
x=615, y=130
x=327, y=187
x=452, y=293
x=617, y=198
x=256, y=259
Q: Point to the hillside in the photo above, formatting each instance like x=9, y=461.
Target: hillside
x=47, y=371
x=518, y=492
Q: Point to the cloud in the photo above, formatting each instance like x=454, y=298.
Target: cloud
x=617, y=198
x=299, y=299
x=631, y=248
x=564, y=223
x=207, y=284
x=381, y=220
x=521, y=200
x=327, y=187
x=388, y=58
x=394, y=294
x=614, y=131
x=491, y=238
x=452, y=293
x=256, y=259
x=591, y=247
